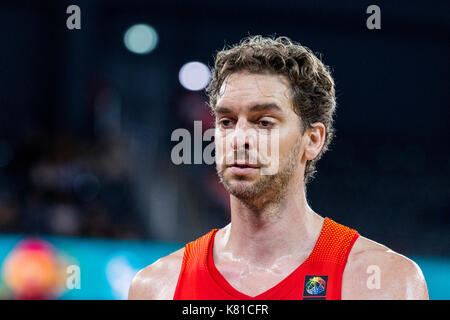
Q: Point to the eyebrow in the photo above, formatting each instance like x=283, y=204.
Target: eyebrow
x=255, y=108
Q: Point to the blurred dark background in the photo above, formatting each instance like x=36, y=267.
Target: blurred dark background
x=86, y=124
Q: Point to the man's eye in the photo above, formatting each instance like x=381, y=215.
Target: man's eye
x=265, y=123
x=225, y=122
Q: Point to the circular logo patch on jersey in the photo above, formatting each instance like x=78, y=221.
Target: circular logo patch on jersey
x=315, y=286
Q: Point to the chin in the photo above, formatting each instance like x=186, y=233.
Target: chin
x=241, y=189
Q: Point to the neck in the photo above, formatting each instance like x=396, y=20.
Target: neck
x=288, y=228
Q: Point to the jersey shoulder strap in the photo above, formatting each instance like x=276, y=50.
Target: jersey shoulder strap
x=196, y=252
x=334, y=243
x=194, y=268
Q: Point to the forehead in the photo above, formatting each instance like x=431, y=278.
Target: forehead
x=245, y=89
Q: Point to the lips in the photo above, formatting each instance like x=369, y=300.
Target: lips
x=243, y=169
x=244, y=165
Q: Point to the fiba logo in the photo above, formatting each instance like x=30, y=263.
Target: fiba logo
x=315, y=287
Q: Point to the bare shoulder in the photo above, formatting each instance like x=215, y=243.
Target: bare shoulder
x=374, y=271
x=158, y=280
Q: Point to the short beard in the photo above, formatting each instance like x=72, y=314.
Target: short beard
x=268, y=189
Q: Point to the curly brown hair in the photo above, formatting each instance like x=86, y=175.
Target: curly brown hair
x=312, y=86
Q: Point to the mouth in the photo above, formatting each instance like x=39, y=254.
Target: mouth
x=243, y=168
x=243, y=165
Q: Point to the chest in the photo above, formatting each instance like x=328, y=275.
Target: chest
x=253, y=280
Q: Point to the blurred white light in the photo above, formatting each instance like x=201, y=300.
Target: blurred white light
x=141, y=38
x=194, y=76
x=120, y=273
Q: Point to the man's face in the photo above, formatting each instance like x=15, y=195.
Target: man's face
x=254, y=119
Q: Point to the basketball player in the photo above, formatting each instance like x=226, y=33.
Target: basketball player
x=276, y=246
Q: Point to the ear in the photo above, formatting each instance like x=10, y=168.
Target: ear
x=314, y=140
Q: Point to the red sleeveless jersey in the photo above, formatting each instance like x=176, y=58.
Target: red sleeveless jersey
x=319, y=277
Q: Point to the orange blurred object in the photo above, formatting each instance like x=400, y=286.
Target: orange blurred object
x=32, y=270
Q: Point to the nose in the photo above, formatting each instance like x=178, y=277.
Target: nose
x=243, y=137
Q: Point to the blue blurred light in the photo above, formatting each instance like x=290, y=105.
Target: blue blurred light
x=141, y=38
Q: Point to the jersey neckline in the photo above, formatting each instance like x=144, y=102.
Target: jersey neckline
x=271, y=292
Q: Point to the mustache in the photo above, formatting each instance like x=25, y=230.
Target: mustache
x=245, y=156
